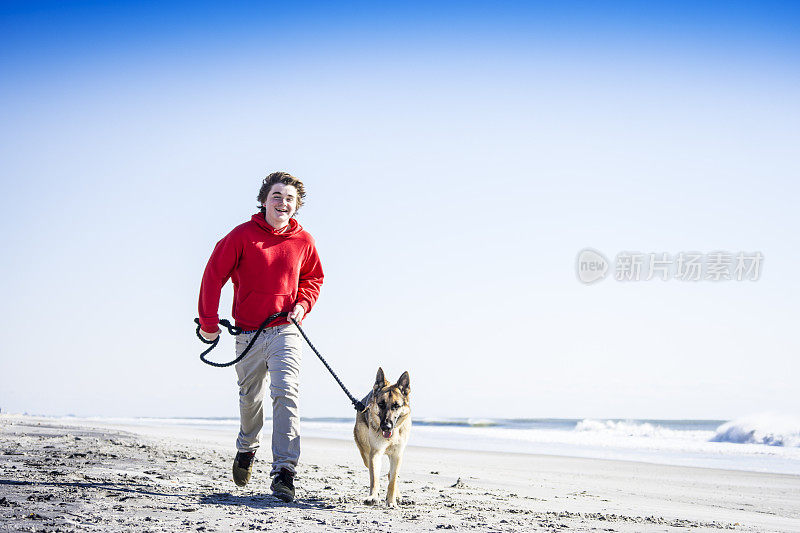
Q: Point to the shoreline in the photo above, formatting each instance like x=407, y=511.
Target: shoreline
x=743, y=457
x=147, y=478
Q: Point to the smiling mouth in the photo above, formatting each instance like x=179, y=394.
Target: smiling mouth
x=387, y=434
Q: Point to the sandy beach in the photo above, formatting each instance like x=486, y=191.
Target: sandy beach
x=58, y=475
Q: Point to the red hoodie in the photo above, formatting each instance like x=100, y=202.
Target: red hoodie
x=271, y=272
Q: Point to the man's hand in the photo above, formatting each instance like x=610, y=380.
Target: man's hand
x=297, y=313
x=209, y=336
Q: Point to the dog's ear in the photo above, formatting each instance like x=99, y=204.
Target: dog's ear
x=380, y=381
x=404, y=383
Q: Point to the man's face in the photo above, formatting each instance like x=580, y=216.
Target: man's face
x=280, y=205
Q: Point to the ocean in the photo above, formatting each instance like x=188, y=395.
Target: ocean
x=760, y=443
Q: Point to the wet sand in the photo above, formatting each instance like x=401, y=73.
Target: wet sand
x=97, y=476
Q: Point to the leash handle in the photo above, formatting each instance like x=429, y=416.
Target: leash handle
x=205, y=341
x=233, y=330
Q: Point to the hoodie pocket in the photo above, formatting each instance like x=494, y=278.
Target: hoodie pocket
x=258, y=305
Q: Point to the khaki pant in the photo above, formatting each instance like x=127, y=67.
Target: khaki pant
x=276, y=352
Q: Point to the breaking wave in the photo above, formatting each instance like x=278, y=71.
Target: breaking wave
x=769, y=429
x=631, y=428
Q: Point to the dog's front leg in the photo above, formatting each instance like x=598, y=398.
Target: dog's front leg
x=394, y=467
x=374, y=470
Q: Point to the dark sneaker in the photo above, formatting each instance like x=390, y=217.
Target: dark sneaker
x=283, y=485
x=243, y=467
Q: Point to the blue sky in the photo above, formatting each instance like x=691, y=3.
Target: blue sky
x=457, y=158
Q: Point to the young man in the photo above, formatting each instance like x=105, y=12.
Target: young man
x=275, y=268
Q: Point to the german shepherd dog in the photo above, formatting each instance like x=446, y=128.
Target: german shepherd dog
x=383, y=428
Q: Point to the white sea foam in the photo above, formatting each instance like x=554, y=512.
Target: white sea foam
x=766, y=428
x=624, y=428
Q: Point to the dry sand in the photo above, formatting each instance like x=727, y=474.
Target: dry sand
x=57, y=476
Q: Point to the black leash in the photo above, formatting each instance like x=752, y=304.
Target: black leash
x=233, y=330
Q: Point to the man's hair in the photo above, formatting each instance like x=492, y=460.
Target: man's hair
x=286, y=179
